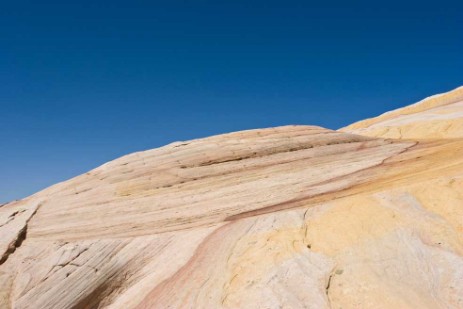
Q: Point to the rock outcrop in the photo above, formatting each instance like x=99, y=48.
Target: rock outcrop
x=290, y=217
x=436, y=117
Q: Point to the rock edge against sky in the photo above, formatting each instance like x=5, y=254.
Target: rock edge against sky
x=369, y=216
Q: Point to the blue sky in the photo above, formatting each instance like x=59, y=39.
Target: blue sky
x=84, y=82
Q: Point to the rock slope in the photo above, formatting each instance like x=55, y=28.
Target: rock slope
x=288, y=217
x=439, y=116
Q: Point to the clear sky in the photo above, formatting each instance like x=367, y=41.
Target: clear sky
x=84, y=82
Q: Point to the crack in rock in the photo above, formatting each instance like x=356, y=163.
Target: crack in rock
x=21, y=236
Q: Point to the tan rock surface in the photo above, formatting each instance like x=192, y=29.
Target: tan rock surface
x=439, y=116
x=288, y=217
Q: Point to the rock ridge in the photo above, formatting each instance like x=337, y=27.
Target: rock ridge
x=289, y=217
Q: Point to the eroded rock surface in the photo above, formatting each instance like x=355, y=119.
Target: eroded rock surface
x=288, y=217
x=439, y=116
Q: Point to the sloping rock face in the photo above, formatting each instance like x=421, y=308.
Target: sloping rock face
x=288, y=217
x=436, y=117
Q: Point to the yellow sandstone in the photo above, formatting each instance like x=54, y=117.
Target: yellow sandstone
x=370, y=216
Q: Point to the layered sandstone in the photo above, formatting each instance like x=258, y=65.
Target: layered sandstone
x=288, y=217
x=439, y=116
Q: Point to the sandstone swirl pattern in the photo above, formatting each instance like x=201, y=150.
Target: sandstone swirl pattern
x=290, y=217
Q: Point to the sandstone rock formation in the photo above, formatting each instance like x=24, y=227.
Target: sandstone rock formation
x=439, y=116
x=291, y=217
